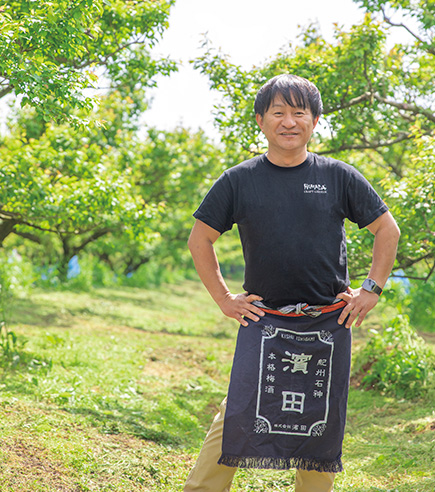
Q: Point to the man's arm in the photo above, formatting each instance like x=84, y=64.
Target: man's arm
x=200, y=243
x=359, y=301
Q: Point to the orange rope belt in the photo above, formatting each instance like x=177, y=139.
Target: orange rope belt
x=302, y=309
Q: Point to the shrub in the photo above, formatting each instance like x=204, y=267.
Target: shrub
x=396, y=361
x=422, y=305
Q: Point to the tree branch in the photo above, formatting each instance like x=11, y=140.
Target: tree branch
x=406, y=107
x=29, y=236
x=6, y=91
x=389, y=165
x=418, y=38
x=6, y=228
x=93, y=237
x=369, y=145
x=408, y=262
x=132, y=265
x=353, y=102
x=70, y=250
x=100, y=61
x=6, y=215
x=411, y=277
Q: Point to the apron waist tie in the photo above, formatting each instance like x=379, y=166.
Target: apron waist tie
x=302, y=309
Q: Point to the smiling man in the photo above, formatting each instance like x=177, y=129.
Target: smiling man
x=288, y=391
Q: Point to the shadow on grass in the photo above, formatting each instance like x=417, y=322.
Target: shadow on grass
x=19, y=372
x=122, y=420
x=46, y=314
x=178, y=420
x=144, y=300
x=41, y=313
x=181, y=422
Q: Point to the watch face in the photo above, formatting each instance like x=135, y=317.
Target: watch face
x=371, y=286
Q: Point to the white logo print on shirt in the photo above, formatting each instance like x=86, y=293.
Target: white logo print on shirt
x=315, y=188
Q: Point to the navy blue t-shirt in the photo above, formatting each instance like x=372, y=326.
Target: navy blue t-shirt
x=291, y=224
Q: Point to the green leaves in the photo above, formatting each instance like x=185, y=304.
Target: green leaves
x=397, y=361
x=412, y=201
x=51, y=52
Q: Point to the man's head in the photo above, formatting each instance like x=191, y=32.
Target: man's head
x=295, y=91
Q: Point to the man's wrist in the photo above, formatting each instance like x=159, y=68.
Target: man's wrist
x=371, y=286
x=222, y=297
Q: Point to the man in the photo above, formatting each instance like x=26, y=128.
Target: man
x=289, y=383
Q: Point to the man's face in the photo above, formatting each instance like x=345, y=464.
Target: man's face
x=287, y=129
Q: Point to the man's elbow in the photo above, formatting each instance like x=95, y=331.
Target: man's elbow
x=195, y=242
x=398, y=232
x=395, y=231
x=387, y=227
x=201, y=237
x=191, y=243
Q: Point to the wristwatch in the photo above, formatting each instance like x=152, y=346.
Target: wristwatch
x=371, y=286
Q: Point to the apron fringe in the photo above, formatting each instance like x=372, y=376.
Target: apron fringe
x=281, y=463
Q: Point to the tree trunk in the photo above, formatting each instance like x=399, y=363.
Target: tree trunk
x=68, y=253
x=6, y=228
x=134, y=264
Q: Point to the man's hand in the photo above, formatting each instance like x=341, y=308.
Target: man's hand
x=359, y=303
x=239, y=306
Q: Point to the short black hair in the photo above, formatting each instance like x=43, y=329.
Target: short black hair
x=296, y=92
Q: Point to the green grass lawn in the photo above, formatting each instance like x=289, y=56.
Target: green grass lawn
x=115, y=390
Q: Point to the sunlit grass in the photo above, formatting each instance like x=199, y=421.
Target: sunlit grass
x=115, y=389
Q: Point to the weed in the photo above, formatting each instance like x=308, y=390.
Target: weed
x=397, y=361
x=10, y=342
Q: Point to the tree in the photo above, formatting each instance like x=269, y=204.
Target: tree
x=61, y=175
x=375, y=98
x=68, y=182
x=173, y=169
x=125, y=198
x=51, y=52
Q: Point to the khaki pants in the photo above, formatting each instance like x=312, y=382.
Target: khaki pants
x=208, y=476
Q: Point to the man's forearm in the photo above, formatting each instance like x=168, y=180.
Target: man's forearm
x=384, y=251
x=384, y=255
x=237, y=306
x=207, y=266
x=359, y=301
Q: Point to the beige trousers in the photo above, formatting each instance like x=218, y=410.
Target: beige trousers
x=208, y=476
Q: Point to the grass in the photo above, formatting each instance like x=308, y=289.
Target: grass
x=114, y=390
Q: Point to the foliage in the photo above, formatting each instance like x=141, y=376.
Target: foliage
x=397, y=361
x=412, y=200
x=173, y=169
x=126, y=198
x=69, y=183
x=420, y=12
x=50, y=52
x=378, y=113
x=421, y=305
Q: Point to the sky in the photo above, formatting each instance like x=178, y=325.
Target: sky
x=249, y=31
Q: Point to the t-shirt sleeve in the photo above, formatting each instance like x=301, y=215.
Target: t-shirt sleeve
x=217, y=208
x=364, y=205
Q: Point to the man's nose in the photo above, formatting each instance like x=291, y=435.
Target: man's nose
x=288, y=121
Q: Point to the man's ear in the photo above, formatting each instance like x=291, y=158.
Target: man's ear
x=259, y=120
x=316, y=120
